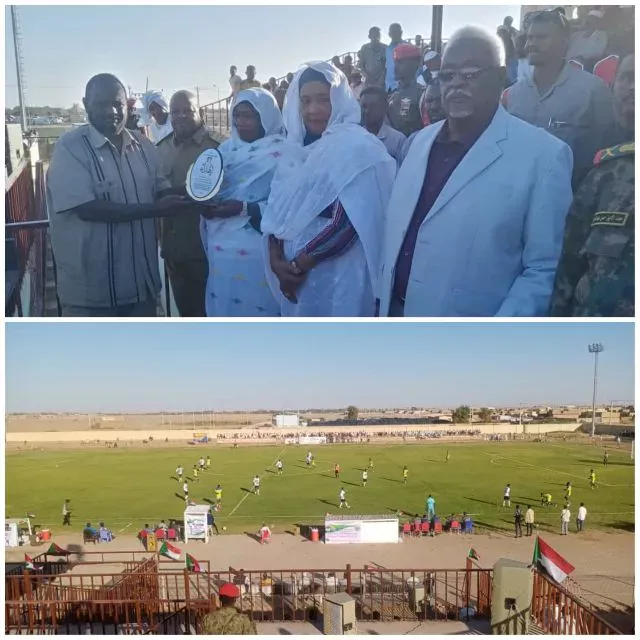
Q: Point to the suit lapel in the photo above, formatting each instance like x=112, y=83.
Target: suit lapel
x=482, y=155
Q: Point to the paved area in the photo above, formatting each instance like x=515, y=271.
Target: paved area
x=382, y=628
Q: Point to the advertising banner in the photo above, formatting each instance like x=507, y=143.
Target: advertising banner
x=361, y=531
x=342, y=531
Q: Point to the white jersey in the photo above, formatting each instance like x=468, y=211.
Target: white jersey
x=279, y=464
x=343, y=495
x=185, y=487
x=256, y=482
x=507, y=492
x=365, y=475
x=179, y=471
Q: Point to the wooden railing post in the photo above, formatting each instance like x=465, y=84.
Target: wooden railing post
x=348, y=577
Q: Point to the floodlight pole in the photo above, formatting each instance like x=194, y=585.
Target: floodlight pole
x=596, y=348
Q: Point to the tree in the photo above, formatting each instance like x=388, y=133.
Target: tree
x=484, y=414
x=461, y=414
x=352, y=413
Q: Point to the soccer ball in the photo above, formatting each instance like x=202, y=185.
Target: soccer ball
x=224, y=528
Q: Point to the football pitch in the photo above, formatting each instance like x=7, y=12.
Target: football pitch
x=129, y=487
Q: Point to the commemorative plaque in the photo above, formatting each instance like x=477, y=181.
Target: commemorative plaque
x=205, y=176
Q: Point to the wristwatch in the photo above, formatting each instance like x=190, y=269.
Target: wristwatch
x=245, y=209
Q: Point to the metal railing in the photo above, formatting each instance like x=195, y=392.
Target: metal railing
x=26, y=231
x=558, y=612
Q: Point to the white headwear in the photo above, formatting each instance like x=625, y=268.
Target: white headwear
x=266, y=106
x=347, y=163
x=158, y=98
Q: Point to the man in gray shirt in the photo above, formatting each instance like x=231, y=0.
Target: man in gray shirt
x=571, y=104
x=372, y=58
x=373, y=105
x=104, y=187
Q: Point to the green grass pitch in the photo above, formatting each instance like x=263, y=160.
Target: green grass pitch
x=130, y=487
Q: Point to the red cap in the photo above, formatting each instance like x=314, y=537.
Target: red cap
x=405, y=51
x=229, y=590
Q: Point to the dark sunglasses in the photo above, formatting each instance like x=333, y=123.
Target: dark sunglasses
x=468, y=75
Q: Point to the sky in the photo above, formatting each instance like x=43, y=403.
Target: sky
x=181, y=47
x=175, y=366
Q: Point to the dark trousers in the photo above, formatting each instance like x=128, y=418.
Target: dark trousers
x=189, y=283
x=580, y=524
x=518, y=529
x=529, y=529
x=66, y=520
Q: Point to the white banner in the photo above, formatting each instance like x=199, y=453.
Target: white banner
x=361, y=531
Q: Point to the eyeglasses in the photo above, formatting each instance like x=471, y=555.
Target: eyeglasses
x=468, y=75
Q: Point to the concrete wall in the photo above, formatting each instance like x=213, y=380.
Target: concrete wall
x=183, y=435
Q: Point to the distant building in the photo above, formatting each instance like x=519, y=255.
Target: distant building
x=285, y=420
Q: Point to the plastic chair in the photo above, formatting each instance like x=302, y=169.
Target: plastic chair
x=172, y=535
x=455, y=527
x=415, y=528
x=160, y=535
x=437, y=527
x=406, y=529
x=425, y=528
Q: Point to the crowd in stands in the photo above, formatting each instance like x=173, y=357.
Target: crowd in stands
x=519, y=129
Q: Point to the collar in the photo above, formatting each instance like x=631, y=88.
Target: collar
x=384, y=131
x=199, y=136
x=565, y=74
x=467, y=140
x=98, y=140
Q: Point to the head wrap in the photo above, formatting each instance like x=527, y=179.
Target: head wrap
x=431, y=55
x=266, y=106
x=158, y=98
x=406, y=51
x=311, y=75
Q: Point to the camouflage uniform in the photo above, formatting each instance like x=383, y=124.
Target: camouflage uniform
x=228, y=621
x=595, y=275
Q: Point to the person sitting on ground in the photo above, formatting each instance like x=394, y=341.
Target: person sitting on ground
x=265, y=534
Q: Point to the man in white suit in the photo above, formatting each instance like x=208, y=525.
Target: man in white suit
x=476, y=217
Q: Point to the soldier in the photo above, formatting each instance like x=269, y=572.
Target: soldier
x=595, y=275
x=227, y=620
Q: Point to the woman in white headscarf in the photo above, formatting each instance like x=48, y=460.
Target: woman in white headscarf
x=157, y=116
x=237, y=285
x=325, y=212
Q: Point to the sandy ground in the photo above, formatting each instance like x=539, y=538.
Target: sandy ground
x=604, y=561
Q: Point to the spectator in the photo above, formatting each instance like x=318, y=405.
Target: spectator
x=507, y=275
x=347, y=66
x=265, y=534
x=395, y=33
x=335, y=61
x=431, y=109
x=524, y=68
x=431, y=67
x=404, y=103
x=507, y=24
x=595, y=275
x=105, y=534
x=250, y=81
x=273, y=85
x=573, y=105
x=89, y=530
x=163, y=525
x=582, y=516
x=529, y=520
x=66, y=514
x=158, y=120
x=356, y=84
x=517, y=519
x=289, y=79
x=211, y=523
x=510, y=57
x=235, y=81
x=373, y=60
x=565, y=519
x=280, y=94
x=373, y=105
x=589, y=44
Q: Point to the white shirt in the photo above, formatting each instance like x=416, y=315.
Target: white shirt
x=235, y=82
x=265, y=531
x=507, y=492
x=179, y=471
x=365, y=475
x=343, y=495
x=256, y=482
x=357, y=90
x=566, y=515
x=279, y=464
x=159, y=132
x=582, y=513
x=185, y=487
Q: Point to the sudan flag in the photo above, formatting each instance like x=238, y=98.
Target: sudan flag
x=551, y=561
x=170, y=551
x=473, y=554
x=28, y=562
x=193, y=564
x=55, y=550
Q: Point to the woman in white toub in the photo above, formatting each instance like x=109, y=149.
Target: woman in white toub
x=325, y=214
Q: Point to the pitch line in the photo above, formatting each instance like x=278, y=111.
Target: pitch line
x=246, y=495
x=557, y=471
x=126, y=527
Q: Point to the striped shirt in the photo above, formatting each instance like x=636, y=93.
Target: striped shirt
x=335, y=238
x=103, y=264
